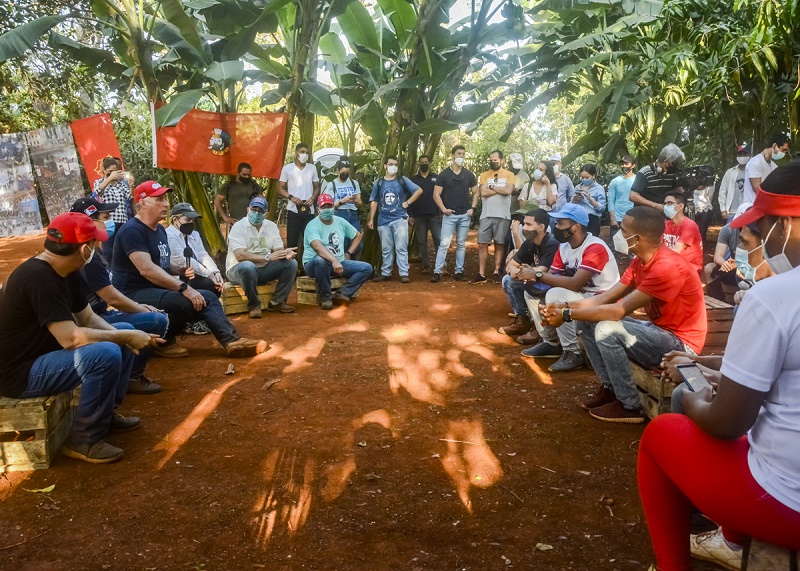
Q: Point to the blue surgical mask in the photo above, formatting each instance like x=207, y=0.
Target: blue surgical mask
x=586, y=182
x=111, y=227
x=256, y=217
x=670, y=211
x=326, y=213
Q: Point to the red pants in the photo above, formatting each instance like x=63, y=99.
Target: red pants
x=680, y=465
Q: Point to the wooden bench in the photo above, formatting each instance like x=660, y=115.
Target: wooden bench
x=761, y=556
x=234, y=299
x=32, y=431
x=307, y=289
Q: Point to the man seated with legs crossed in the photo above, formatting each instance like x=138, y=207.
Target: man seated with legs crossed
x=324, y=256
x=584, y=266
x=661, y=281
x=141, y=270
x=107, y=301
x=51, y=341
x=256, y=256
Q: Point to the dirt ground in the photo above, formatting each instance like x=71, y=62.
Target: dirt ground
x=401, y=433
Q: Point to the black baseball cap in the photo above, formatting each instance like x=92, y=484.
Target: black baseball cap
x=628, y=159
x=90, y=206
x=185, y=209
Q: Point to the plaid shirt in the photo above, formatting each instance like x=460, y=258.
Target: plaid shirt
x=119, y=191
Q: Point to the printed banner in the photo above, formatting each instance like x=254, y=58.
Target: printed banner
x=19, y=209
x=96, y=140
x=217, y=142
x=57, y=169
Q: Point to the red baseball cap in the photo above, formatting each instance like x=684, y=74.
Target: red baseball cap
x=779, y=195
x=74, y=228
x=324, y=199
x=149, y=188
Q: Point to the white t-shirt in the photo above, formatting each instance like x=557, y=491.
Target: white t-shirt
x=261, y=241
x=299, y=182
x=593, y=255
x=757, y=167
x=763, y=353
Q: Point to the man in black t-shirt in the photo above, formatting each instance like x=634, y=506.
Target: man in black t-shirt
x=141, y=270
x=237, y=194
x=425, y=215
x=452, y=195
x=51, y=341
x=535, y=255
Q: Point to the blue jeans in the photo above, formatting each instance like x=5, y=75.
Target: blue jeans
x=457, y=224
x=394, y=238
x=181, y=311
x=103, y=370
x=251, y=276
x=515, y=292
x=352, y=217
x=610, y=344
x=149, y=322
x=322, y=271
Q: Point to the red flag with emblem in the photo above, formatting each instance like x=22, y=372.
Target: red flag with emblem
x=217, y=142
x=96, y=140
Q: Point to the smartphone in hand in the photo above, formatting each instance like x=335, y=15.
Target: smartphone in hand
x=693, y=377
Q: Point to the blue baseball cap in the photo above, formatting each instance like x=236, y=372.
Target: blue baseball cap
x=259, y=202
x=574, y=212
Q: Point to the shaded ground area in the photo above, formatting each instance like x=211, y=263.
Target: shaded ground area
x=403, y=432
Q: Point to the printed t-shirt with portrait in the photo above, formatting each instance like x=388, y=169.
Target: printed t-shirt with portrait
x=390, y=196
x=33, y=296
x=687, y=233
x=499, y=205
x=136, y=236
x=456, y=189
x=331, y=235
x=340, y=190
x=678, y=303
x=299, y=183
x=259, y=241
x=593, y=255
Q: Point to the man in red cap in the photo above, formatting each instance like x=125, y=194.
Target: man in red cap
x=51, y=341
x=141, y=270
x=324, y=255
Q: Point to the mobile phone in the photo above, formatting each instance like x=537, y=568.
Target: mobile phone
x=693, y=377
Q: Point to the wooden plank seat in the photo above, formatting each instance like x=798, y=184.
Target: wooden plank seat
x=653, y=390
x=762, y=556
x=234, y=299
x=307, y=289
x=32, y=431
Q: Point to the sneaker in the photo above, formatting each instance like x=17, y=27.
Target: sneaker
x=121, y=423
x=543, y=349
x=382, y=278
x=326, y=305
x=522, y=324
x=200, y=328
x=478, y=279
x=143, y=386
x=173, y=351
x=256, y=313
x=711, y=546
x=436, y=278
x=99, y=452
x=426, y=269
x=601, y=397
x=532, y=337
x=568, y=362
x=615, y=412
x=497, y=278
x=460, y=277
x=280, y=307
x=404, y=279
x=340, y=299
x=244, y=347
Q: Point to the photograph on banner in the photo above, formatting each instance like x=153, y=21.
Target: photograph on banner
x=56, y=163
x=19, y=209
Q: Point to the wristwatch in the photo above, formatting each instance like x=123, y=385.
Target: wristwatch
x=566, y=314
x=538, y=275
x=184, y=287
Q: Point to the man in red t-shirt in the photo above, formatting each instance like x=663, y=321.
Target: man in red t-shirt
x=660, y=281
x=682, y=234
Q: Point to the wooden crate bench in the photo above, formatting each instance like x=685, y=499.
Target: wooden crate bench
x=307, y=289
x=654, y=392
x=32, y=431
x=761, y=556
x=234, y=299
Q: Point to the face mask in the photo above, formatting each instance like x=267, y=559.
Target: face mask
x=495, y=166
x=245, y=178
x=326, y=213
x=344, y=176
x=556, y=169
x=659, y=170
x=256, y=217
x=186, y=228
x=780, y=264
x=743, y=160
x=563, y=234
x=626, y=170
x=302, y=157
x=743, y=264
x=459, y=161
x=111, y=227
x=670, y=211
x=621, y=243
x=87, y=261
x=586, y=182
x=424, y=168
x=391, y=169
x=777, y=155
x=530, y=234
x=537, y=174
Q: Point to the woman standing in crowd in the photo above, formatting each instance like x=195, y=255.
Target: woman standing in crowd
x=591, y=196
x=114, y=186
x=346, y=194
x=543, y=189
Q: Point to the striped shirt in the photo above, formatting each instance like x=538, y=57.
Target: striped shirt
x=653, y=186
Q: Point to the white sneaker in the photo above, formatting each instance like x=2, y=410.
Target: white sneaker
x=711, y=546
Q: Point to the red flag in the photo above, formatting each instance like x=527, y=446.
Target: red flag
x=217, y=142
x=96, y=140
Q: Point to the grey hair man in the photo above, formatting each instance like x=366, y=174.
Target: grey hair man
x=656, y=180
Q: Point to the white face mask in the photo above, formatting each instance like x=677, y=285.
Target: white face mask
x=459, y=161
x=780, y=264
x=556, y=168
x=621, y=243
x=391, y=169
x=777, y=155
x=302, y=157
x=88, y=260
x=742, y=160
x=537, y=174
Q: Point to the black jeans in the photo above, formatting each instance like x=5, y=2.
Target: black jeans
x=703, y=220
x=200, y=282
x=594, y=225
x=295, y=229
x=423, y=224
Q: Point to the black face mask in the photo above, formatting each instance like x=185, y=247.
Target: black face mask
x=515, y=171
x=424, y=168
x=245, y=178
x=563, y=234
x=626, y=170
x=186, y=228
x=530, y=234
x=495, y=166
x=343, y=176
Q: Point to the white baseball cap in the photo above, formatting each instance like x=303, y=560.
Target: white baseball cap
x=556, y=158
x=516, y=160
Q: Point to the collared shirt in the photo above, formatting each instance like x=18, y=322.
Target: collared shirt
x=202, y=262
